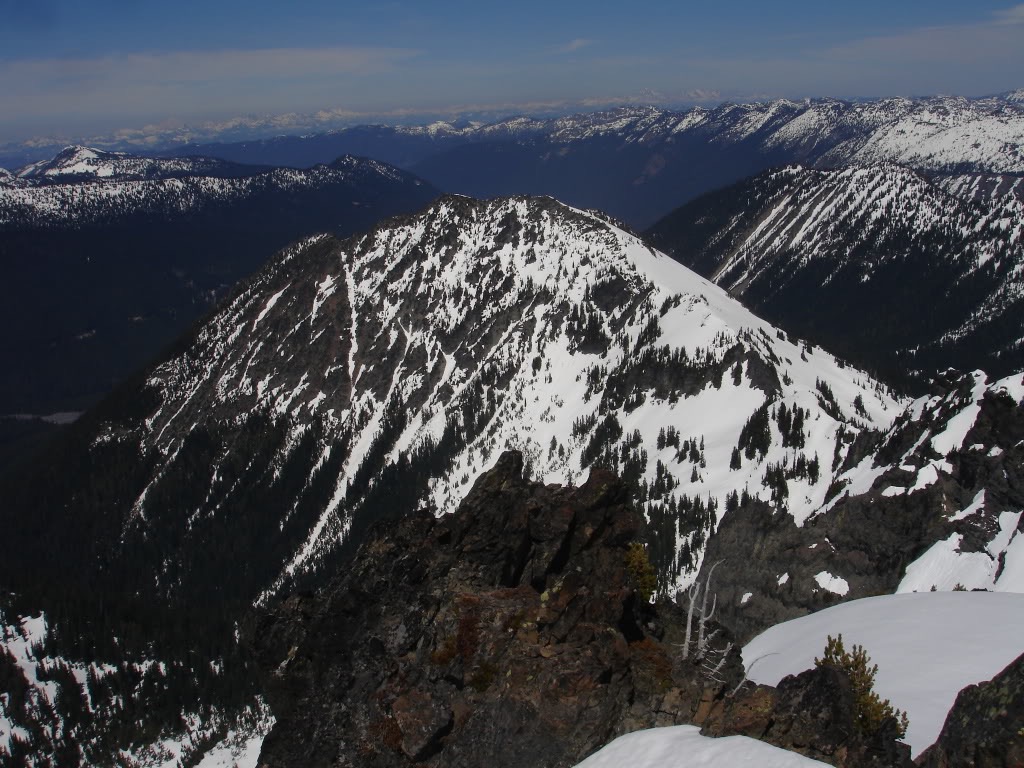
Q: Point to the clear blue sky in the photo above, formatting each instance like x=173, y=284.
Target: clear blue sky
x=70, y=68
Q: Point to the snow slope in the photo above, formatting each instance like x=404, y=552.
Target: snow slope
x=682, y=746
x=514, y=323
x=928, y=646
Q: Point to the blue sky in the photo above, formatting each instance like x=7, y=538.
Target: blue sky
x=75, y=68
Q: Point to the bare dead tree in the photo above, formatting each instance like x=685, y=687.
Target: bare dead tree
x=694, y=594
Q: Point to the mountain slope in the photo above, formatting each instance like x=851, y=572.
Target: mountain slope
x=895, y=269
x=351, y=379
x=933, y=503
x=105, y=268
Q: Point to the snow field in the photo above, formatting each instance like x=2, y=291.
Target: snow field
x=928, y=646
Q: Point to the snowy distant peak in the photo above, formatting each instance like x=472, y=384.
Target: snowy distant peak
x=1015, y=97
x=935, y=133
x=77, y=163
x=82, y=185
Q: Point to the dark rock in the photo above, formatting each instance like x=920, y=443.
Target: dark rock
x=985, y=727
x=811, y=713
x=508, y=633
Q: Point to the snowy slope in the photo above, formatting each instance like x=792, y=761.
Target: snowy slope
x=682, y=746
x=64, y=709
x=927, y=647
x=163, y=188
x=519, y=323
x=859, y=258
x=85, y=163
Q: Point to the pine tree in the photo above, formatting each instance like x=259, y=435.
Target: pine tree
x=871, y=710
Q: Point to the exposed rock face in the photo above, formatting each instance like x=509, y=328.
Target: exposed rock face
x=812, y=713
x=985, y=728
x=931, y=504
x=510, y=633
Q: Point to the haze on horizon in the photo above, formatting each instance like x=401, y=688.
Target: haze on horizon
x=116, y=67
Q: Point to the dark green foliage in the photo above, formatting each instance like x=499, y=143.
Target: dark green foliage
x=871, y=709
x=756, y=437
x=641, y=572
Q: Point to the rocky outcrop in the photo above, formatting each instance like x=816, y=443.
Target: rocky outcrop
x=508, y=633
x=813, y=713
x=924, y=488
x=985, y=728
x=512, y=633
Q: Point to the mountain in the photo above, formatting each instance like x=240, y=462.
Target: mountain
x=353, y=381
x=350, y=381
x=639, y=163
x=109, y=257
x=76, y=163
x=512, y=632
x=934, y=502
x=900, y=271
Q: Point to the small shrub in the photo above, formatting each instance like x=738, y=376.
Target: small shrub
x=467, y=640
x=641, y=572
x=482, y=678
x=869, y=707
x=445, y=653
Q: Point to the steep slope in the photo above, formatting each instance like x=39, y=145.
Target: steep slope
x=350, y=380
x=109, y=257
x=934, y=503
x=896, y=270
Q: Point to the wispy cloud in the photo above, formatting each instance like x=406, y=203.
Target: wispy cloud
x=573, y=45
x=1014, y=15
x=977, y=58
x=162, y=83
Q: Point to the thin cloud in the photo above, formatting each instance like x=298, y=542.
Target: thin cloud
x=976, y=58
x=161, y=82
x=574, y=45
x=1011, y=16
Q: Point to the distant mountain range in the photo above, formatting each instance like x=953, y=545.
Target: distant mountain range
x=350, y=347
x=638, y=163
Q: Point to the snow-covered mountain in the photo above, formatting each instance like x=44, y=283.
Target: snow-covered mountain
x=353, y=380
x=97, y=187
x=638, y=163
x=397, y=362
x=933, y=503
x=143, y=246
x=898, y=269
x=86, y=163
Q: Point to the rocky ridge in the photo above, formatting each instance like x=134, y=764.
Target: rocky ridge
x=512, y=632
